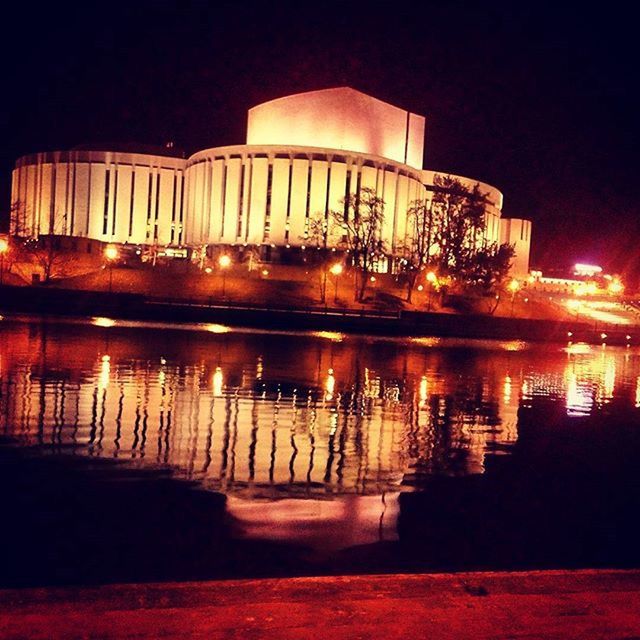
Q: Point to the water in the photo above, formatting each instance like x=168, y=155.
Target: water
x=144, y=452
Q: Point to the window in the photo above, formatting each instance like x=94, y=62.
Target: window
x=105, y=217
x=131, y=201
x=267, y=217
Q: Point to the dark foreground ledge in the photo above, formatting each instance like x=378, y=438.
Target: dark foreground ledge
x=72, y=302
x=546, y=604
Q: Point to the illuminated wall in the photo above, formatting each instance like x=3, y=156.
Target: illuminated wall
x=103, y=195
x=494, y=198
x=518, y=233
x=304, y=154
x=266, y=194
x=340, y=118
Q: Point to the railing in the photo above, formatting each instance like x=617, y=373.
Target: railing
x=248, y=306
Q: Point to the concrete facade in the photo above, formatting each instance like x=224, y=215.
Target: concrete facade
x=304, y=153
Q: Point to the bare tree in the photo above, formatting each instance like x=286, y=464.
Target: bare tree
x=19, y=226
x=47, y=250
x=361, y=223
x=416, y=254
x=251, y=257
x=458, y=222
x=316, y=237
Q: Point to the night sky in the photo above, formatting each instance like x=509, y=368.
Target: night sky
x=540, y=101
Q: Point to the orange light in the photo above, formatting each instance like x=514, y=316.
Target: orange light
x=4, y=245
x=514, y=285
x=431, y=277
x=224, y=261
x=615, y=286
x=111, y=253
x=336, y=269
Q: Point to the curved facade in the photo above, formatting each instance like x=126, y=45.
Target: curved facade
x=267, y=194
x=102, y=195
x=304, y=154
x=340, y=118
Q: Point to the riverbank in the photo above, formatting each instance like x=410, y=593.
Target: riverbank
x=76, y=303
x=482, y=606
x=50, y=301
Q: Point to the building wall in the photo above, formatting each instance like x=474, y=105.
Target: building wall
x=267, y=194
x=517, y=232
x=305, y=154
x=107, y=196
x=226, y=195
x=493, y=199
x=340, y=118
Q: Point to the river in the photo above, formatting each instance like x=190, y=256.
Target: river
x=140, y=451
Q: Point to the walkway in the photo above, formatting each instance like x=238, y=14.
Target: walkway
x=550, y=604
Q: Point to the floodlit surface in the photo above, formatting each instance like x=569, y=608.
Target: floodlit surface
x=601, y=311
x=351, y=121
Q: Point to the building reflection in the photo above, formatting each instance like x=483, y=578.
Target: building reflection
x=289, y=416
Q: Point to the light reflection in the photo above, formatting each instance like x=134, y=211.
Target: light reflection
x=329, y=386
x=284, y=426
x=507, y=388
x=333, y=336
x=105, y=371
x=218, y=380
x=513, y=345
x=609, y=378
x=579, y=396
x=578, y=348
x=426, y=341
x=103, y=322
x=424, y=390
x=217, y=328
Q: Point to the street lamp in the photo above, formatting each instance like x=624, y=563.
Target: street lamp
x=4, y=247
x=224, y=261
x=336, y=270
x=111, y=254
x=432, y=278
x=514, y=285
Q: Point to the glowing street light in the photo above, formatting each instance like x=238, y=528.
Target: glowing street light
x=111, y=254
x=224, y=261
x=432, y=279
x=336, y=270
x=514, y=285
x=615, y=286
x=4, y=247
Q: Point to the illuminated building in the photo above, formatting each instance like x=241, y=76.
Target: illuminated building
x=303, y=154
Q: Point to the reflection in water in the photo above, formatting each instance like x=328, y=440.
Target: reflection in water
x=297, y=416
x=260, y=416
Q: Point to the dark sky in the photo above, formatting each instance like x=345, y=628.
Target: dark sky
x=538, y=100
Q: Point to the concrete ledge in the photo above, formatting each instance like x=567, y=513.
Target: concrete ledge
x=545, y=604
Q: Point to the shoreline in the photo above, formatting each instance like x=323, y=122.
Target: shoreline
x=479, y=605
x=125, y=306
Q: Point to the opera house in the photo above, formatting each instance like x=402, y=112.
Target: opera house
x=302, y=155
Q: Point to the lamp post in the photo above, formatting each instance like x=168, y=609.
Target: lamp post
x=336, y=270
x=111, y=254
x=4, y=247
x=224, y=261
x=514, y=285
x=432, y=278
